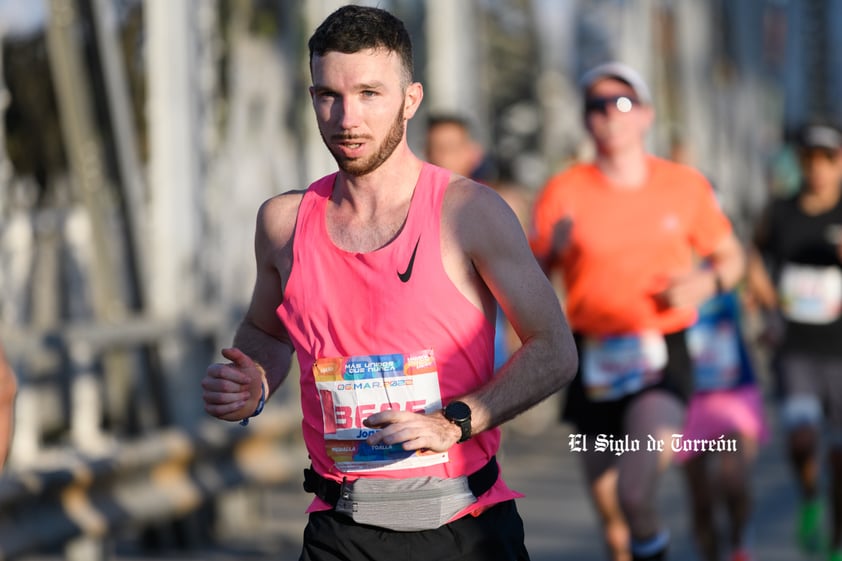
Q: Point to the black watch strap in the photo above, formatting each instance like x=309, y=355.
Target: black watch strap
x=459, y=413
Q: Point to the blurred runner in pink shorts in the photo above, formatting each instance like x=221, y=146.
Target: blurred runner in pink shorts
x=727, y=405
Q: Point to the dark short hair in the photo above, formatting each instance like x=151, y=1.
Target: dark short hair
x=351, y=29
x=436, y=119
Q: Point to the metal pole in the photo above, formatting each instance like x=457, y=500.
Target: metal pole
x=452, y=67
x=123, y=127
x=83, y=145
x=176, y=203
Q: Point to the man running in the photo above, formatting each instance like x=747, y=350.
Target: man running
x=383, y=277
x=795, y=273
x=624, y=230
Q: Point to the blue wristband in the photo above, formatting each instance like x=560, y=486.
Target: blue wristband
x=260, y=405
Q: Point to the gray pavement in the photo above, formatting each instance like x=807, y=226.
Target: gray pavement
x=560, y=523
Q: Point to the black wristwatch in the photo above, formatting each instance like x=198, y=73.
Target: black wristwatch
x=458, y=413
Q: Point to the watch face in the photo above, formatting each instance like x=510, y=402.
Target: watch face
x=457, y=411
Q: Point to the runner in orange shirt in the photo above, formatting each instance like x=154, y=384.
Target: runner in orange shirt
x=626, y=231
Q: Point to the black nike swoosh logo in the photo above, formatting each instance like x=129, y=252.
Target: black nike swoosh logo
x=408, y=273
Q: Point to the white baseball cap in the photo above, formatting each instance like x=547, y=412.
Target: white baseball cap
x=621, y=72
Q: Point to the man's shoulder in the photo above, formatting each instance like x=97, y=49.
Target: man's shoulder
x=277, y=215
x=671, y=168
x=291, y=196
x=282, y=203
x=467, y=195
x=472, y=207
x=784, y=207
x=464, y=186
x=675, y=177
x=573, y=182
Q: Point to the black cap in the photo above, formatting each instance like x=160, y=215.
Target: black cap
x=820, y=136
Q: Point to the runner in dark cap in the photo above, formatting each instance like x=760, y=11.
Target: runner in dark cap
x=795, y=274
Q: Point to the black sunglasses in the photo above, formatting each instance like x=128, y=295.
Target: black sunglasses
x=621, y=103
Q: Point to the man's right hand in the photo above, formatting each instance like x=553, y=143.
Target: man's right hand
x=231, y=391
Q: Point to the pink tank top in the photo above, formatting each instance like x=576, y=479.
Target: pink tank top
x=391, y=311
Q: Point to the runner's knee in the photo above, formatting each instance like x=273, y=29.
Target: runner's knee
x=635, y=501
x=801, y=410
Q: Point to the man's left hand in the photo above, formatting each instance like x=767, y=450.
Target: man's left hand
x=413, y=430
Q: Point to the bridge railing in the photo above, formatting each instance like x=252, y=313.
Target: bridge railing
x=162, y=476
x=78, y=476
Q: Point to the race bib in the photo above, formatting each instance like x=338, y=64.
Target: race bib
x=714, y=345
x=353, y=388
x=811, y=294
x=614, y=367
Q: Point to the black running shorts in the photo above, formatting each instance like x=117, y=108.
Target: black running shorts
x=495, y=535
x=606, y=417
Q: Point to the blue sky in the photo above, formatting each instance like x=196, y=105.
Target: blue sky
x=22, y=16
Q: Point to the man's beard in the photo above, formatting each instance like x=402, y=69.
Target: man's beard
x=363, y=166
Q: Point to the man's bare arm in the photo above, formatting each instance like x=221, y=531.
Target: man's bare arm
x=261, y=335
x=761, y=288
x=729, y=262
x=262, y=352
x=559, y=242
x=547, y=359
x=484, y=245
x=691, y=289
